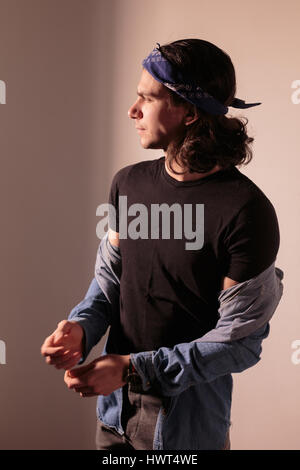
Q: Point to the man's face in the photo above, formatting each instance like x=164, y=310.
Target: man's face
x=158, y=121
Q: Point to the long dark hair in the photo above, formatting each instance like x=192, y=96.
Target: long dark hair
x=212, y=139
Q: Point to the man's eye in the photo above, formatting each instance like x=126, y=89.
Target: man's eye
x=146, y=98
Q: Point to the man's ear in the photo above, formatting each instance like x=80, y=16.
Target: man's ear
x=192, y=115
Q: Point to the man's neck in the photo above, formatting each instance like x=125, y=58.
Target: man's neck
x=187, y=176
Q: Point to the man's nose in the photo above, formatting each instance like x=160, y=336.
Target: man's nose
x=134, y=112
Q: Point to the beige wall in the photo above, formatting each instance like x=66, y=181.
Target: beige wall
x=71, y=68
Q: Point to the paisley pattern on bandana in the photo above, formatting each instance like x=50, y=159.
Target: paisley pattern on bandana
x=164, y=72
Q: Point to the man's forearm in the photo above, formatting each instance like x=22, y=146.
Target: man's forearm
x=93, y=313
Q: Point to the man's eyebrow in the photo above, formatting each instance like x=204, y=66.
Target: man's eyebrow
x=144, y=93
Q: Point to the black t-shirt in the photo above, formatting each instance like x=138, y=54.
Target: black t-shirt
x=168, y=293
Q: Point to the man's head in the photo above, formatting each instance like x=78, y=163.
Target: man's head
x=190, y=134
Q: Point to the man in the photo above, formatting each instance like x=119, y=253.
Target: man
x=187, y=314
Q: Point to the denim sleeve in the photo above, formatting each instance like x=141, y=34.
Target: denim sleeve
x=233, y=346
x=93, y=313
x=173, y=370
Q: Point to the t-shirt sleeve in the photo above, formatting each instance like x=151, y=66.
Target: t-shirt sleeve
x=252, y=240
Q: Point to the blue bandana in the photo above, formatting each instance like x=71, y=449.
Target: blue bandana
x=164, y=72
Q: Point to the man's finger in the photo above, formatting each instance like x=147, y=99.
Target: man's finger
x=53, y=351
x=79, y=371
x=83, y=395
x=47, y=343
x=71, y=362
x=53, y=360
x=80, y=380
x=62, y=330
x=65, y=355
x=75, y=383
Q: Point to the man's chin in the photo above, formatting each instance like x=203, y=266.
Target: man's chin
x=150, y=145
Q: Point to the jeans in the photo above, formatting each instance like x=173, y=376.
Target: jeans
x=139, y=416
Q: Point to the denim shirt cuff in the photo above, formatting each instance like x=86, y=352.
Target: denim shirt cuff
x=144, y=366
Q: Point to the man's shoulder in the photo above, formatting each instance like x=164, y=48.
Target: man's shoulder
x=246, y=191
x=139, y=169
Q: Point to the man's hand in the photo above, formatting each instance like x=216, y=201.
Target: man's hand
x=100, y=377
x=64, y=347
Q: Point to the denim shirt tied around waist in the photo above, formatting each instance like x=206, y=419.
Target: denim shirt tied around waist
x=194, y=378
